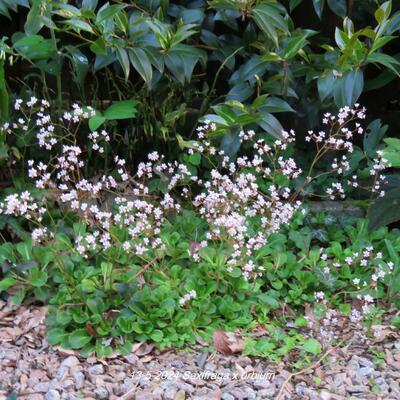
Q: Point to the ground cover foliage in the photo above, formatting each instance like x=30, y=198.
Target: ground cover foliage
x=159, y=192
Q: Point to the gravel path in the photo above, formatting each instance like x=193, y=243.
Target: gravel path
x=31, y=369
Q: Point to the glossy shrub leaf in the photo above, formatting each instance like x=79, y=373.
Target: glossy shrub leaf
x=348, y=88
x=276, y=105
x=294, y=45
x=326, y=84
x=4, y=10
x=99, y=46
x=383, y=12
x=240, y=92
x=140, y=61
x=230, y=144
x=269, y=20
x=270, y=124
x=181, y=60
x=89, y=4
x=319, y=7
x=256, y=65
x=384, y=78
x=385, y=210
x=78, y=25
x=373, y=136
x=385, y=60
x=123, y=58
x=293, y=4
x=339, y=7
x=34, y=21
x=108, y=11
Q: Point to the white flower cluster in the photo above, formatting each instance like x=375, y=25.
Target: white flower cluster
x=341, y=130
x=187, y=297
x=367, y=257
x=23, y=205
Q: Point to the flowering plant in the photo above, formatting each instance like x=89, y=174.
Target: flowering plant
x=123, y=218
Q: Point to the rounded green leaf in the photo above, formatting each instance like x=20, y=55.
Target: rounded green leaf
x=79, y=338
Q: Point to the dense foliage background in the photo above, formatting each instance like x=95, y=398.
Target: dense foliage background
x=179, y=61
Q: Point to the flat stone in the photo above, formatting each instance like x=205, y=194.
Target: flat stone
x=325, y=395
x=357, y=389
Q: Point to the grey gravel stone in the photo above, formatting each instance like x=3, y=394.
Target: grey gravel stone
x=55, y=384
x=209, y=367
x=357, y=389
x=267, y=392
x=367, y=371
x=144, y=395
x=101, y=393
x=79, y=379
x=185, y=387
x=249, y=392
x=96, y=369
x=364, y=362
x=52, y=395
x=62, y=373
x=354, y=363
x=227, y=396
x=67, y=383
x=70, y=362
x=42, y=387
x=170, y=392
x=262, y=384
x=157, y=394
x=132, y=359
